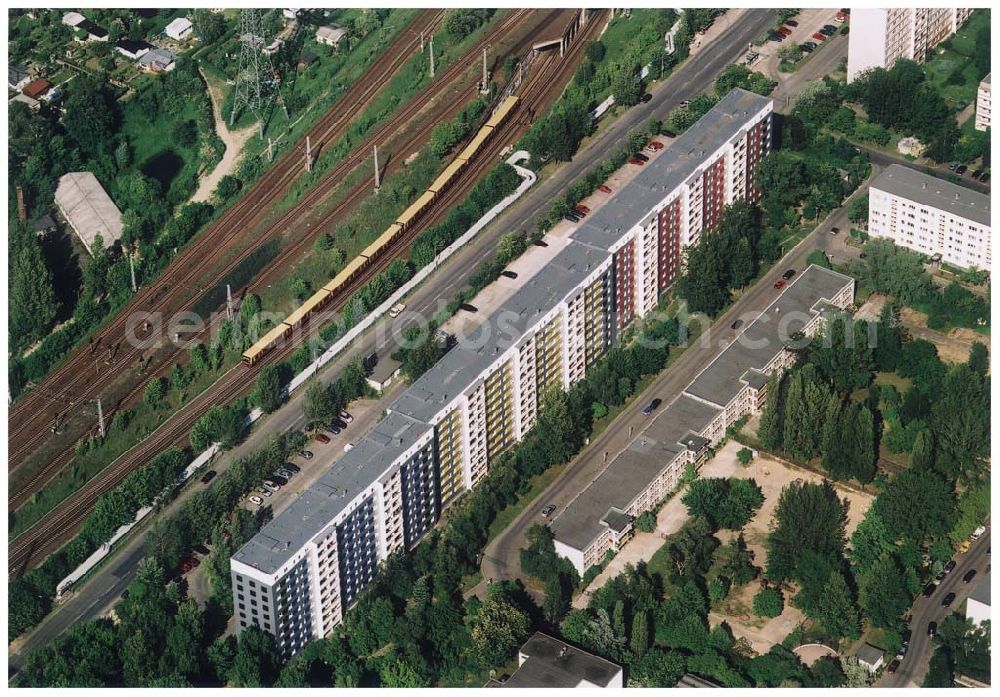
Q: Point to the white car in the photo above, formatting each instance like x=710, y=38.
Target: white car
x=346, y=417
x=270, y=486
x=977, y=533
x=263, y=492
x=396, y=310
x=256, y=500
x=348, y=446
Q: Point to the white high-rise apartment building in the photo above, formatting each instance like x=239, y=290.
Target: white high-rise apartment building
x=984, y=101
x=881, y=36
x=931, y=216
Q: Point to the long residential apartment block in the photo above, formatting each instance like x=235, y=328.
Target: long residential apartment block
x=297, y=576
x=879, y=37
x=734, y=385
x=931, y=216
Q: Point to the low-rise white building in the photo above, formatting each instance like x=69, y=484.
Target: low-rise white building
x=88, y=209
x=330, y=34
x=977, y=607
x=984, y=101
x=931, y=216
x=71, y=19
x=179, y=29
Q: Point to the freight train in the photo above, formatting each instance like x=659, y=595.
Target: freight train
x=380, y=246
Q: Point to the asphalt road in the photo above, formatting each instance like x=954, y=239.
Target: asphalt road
x=501, y=559
x=926, y=610
x=691, y=78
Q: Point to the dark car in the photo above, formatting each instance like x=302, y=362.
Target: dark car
x=468, y=308
x=806, y=48
x=949, y=567
x=929, y=590
x=668, y=134
x=737, y=324
x=292, y=467
x=792, y=23
x=777, y=37
x=932, y=629
x=208, y=476
x=540, y=243
x=893, y=665
x=201, y=549
x=961, y=169
x=547, y=511
x=508, y=274
x=985, y=178
x=307, y=454
x=640, y=156
x=332, y=429
x=835, y=231
x=651, y=407
x=646, y=97
x=948, y=600
x=579, y=213
x=788, y=274
x=953, y=166
x=969, y=575
x=572, y=217
x=827, y=32
x=978, y=173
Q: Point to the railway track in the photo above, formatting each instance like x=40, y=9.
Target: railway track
x=49, y=533
x=169, y=292
x=78, y=378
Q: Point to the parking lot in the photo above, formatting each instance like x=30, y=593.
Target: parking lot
x=808, y=22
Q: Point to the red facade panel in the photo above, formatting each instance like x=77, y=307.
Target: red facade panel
x=713, y=193
x=624, y=264
x=669, y=244
x=758, y=146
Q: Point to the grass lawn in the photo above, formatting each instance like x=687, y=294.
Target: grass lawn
x=952, y=69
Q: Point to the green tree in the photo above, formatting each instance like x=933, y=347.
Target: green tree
x=156, y=390
x=916, y=490
x=771, y=428
x=32, y=302
x=979, y=359
x=640, y=635
x=208, y=26
x=939, y=671
x=768, y=603
x=499, y=628
x=739, y=562
x=836, y=609
x=808, y=518
x=883, y=595
x=269, y=392
x=625, y=85
x=256, y=662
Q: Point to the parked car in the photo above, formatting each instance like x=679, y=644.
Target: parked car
x=271, y=486
x=396, y=310
x=634, y=161
x=581, y=207
x=322, y=438
x=903, y=648
x=806, y=48
x=604, y=188
x=279, y=480
x=737, y=324
x=307, y=454
x=285, y=472
x=208, y=476
x=791, y=23
x=348, y=446
x=950, y=566
x=953, y=166
x=540, y=243
x=977, y=533
x=961, y=169
x=652, y=406
x=668, y=134
x=829, y=29
x=263, y=492
x=292, y=467
x=645, y=98
x=332, y=429
x=788, y=274
x=201, y=549
x=572, y=217
x=969, y=575
x=508, y=274
x=256, y=500
x=547, y=511
x=835, y=231
x=932, y=629
x=948, y=600
x=985, y=178
x=784, y=31
x=978, y=173
x=656, y=145
x=685, y=103
x=819, y=37
x=775, y=36
x=893, y=665
x=929, y=589
x=579, y=213
x=779, y=284
x=467, y=307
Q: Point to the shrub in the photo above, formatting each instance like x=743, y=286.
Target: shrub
x=745, y=455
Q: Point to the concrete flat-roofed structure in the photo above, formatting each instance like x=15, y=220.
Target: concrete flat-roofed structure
x=541, y=330
x=88, y=209
x=734, y=385
x=931, y=216
x=546, y=662
x=984, y=104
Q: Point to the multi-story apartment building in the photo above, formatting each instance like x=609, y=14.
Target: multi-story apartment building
x=931, y=216
x=879, y=37
x=984, y=104
x=734, y=385
x=444, y=433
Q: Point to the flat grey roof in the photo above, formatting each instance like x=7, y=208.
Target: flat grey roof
x=982, y=591
x=986, y=80
x=554, y=663
x=870, y=654
x=318, y=505
x=683, y=158
x=632, y=470
x=936, y=193
x=88, y=208
x=458, y=370
x=760, y=342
